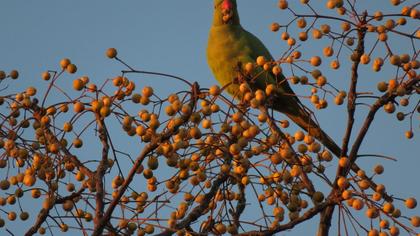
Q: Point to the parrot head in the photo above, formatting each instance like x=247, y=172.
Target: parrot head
x=225, y=12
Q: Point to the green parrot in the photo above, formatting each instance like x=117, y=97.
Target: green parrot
x=230, y=45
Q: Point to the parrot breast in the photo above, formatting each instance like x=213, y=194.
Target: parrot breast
x=226, y=48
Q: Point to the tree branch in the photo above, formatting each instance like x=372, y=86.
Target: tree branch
x=326, y=215
x=100, y=171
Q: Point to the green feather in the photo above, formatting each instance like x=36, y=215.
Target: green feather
x=229, y=45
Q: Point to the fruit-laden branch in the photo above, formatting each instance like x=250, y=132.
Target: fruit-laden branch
x=326, y=215
x=44, y=212
x=51, y=138
x=351, y=104
x=99, y=227
x=308, y=183
x=409, y=86
x=198, y=210
x=306, y=216
x=201, y=208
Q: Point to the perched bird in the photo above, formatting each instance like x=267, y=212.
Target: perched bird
x=231, y=46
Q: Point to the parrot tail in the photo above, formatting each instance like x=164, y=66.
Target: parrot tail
x=303, y=118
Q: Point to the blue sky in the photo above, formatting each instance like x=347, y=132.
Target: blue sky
x=171, y=37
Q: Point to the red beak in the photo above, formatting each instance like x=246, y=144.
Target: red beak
x=227, y=5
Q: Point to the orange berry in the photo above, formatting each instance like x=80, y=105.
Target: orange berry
x=343, y=162
x=378, y=15
x=84, y=79
x=315, y=61
x=299, y=135
x=77, y=142
x=67, y=127
x=410, y=203
x=78, y=107
x=358, y=204
x=29, y=180
x=365, y=59
x=342, y=182
x=275, y=27
x=321, y=81
x=283, y=4
x=325, y=29
x=261, y=60
x=388, y=207
x=395, y=2
x=378, y=169
x=335, y=64
x=276, y=70
x=384, y=224
x=30, y=91
x=326, y=155
x=71, y=68
x=364, y=184
x=298, y=54
x=383, y=37
x=347, y=194
x=389, y=107
x=373, y=232
x=147, y=91
x=394, y=231
x=11, y=216
x=214, y=90
x=409, y=134
x=405, y=10
x=249, y=67
x=301, y=23
x=395, y=60
x=328, y=51
x=78, y=84
x=345, y=26
x=105, y=111
x=303, y=36
x=291, y=42
x=415, y=221
x=64, y=63
x=267, y=66
x=206, y=123
x=235, y=149
x=285, y=36
x=330, y=4
x=14, y=74
x=111, y=53
x=372, y=213
x=118, y=81
x=414, y=13
x=317, y=34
